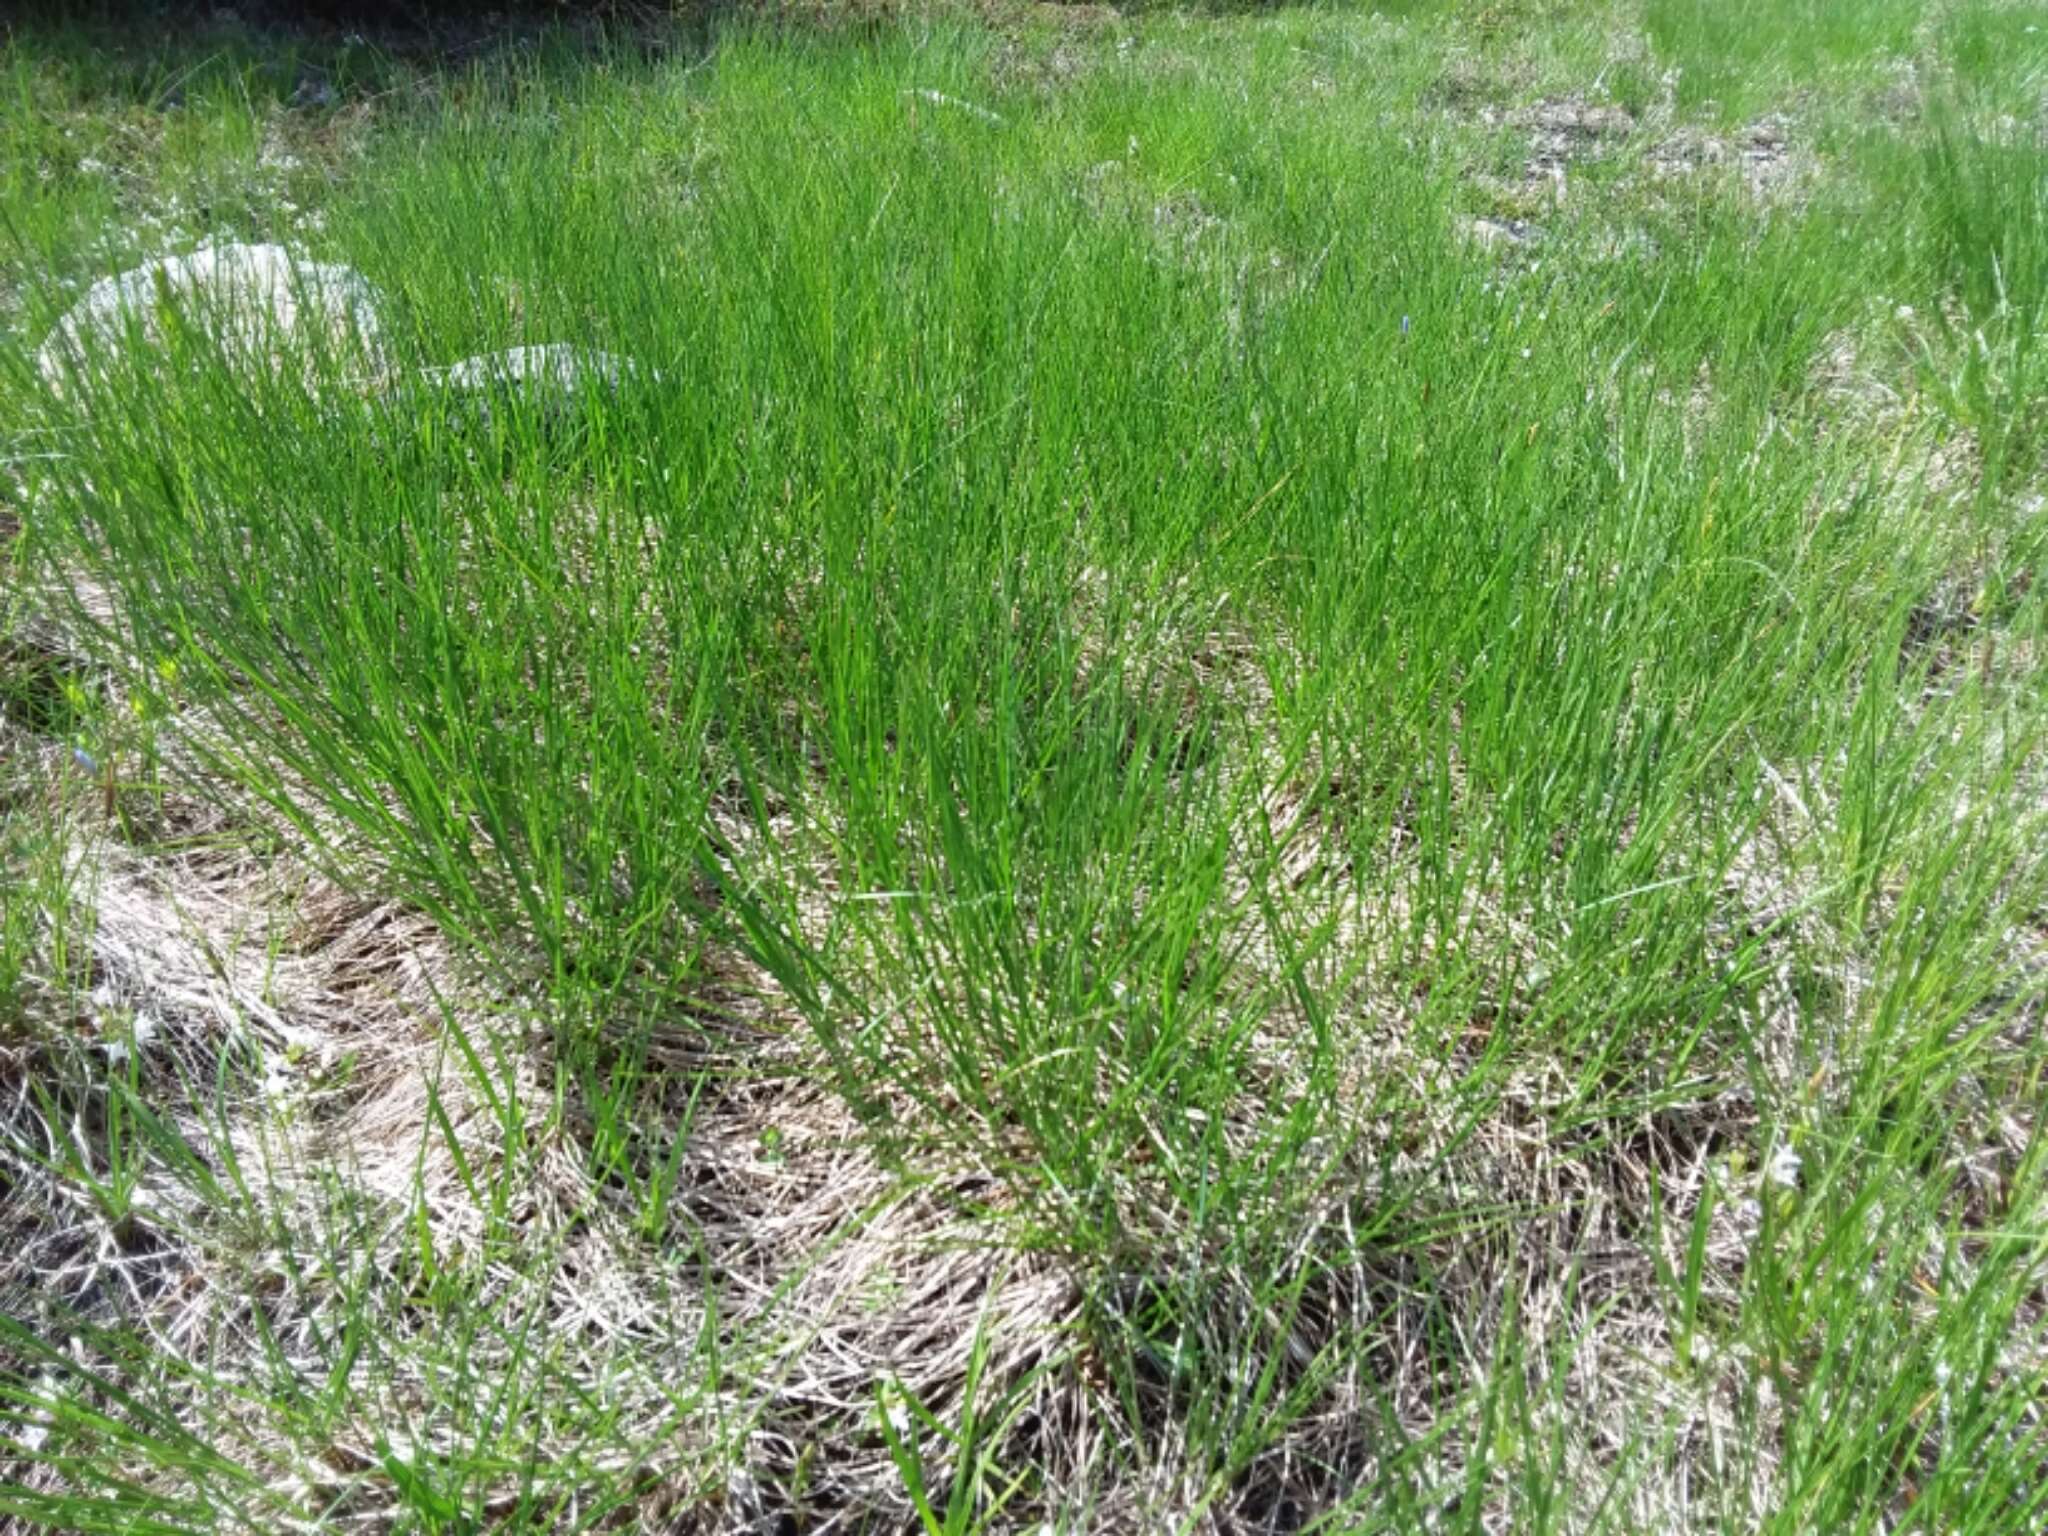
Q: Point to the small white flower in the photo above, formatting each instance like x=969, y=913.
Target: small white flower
x=893, y=1412
x=35, y=1426
x=278, y=1083
x=1784, y=1168
x=142, y=1028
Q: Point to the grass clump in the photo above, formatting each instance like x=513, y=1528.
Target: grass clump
x=40, y=918
x=43, y=913
x=1735, y=55
x=1131, y=837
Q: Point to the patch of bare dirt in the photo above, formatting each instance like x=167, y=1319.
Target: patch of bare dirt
x=1764, y=155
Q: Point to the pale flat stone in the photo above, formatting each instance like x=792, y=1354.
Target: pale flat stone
x=262, y=303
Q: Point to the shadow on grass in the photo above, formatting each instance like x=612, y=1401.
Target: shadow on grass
x=329, y=54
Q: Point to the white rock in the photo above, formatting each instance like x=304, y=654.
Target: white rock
x=261, y=302
x=1491, y=232
x=557, y=365
x=554, y=375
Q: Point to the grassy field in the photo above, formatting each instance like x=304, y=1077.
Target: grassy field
x=1276, y=771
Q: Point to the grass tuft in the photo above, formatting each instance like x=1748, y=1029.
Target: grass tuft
x=1144, y=831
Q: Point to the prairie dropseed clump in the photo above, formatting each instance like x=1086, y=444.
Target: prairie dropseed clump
x=1114, y=772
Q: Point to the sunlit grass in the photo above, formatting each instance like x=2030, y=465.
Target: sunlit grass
x=1741, y=54
x=1326, y=783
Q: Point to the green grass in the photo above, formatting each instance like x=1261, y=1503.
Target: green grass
x=42, y=914
x=38, y=916
x=1139, y=840
x=1736, y=53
